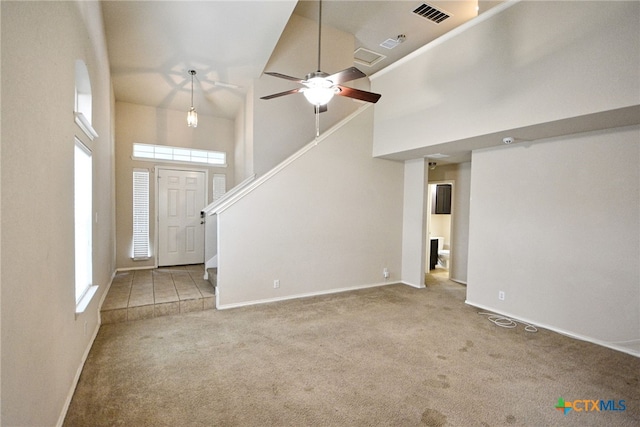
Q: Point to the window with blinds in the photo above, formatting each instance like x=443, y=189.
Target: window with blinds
x=140, y=214
x=219, y=185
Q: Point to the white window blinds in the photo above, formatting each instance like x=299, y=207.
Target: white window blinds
x=140, y=214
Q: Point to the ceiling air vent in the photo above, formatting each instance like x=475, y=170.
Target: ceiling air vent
x=431, y=13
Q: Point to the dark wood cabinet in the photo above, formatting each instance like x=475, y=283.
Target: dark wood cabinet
x=433, y=254
x=442, y=203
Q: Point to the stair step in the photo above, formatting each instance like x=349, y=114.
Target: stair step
x=213, y=276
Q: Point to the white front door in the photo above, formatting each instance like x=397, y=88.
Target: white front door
x=181, y=197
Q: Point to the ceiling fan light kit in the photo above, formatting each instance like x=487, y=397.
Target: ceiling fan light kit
x=320, y=87
x=192, y=114
x=319, y=90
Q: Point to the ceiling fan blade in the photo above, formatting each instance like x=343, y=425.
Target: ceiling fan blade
x=346, y=75
x=284, y=76
x=276, y=95
x=359, y=94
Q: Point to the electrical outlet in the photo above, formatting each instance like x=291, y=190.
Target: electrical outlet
x=276, y=284
x=501, y=295
x=385, y=273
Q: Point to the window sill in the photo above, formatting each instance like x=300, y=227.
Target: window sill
x=86, y=127
x=86, y=299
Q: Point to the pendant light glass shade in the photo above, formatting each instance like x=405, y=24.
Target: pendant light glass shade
x=192, y=115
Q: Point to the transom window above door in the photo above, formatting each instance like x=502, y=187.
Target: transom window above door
x=178, y=154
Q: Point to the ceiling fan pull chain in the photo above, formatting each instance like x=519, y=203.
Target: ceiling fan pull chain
x=317, y=108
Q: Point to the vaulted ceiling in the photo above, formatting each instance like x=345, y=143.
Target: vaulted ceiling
x=153, y=44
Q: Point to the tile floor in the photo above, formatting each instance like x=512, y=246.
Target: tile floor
x=143, y=294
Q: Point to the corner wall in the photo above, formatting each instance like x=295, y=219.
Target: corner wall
x=44, y=342
x=330, y=220
x=556, y=225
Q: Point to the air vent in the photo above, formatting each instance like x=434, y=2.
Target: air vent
x=431, y=13
x=367, y=57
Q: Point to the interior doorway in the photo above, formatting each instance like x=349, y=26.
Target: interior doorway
x=439, y=227
x=182, y=194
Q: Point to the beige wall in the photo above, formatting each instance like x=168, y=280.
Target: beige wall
x=43, y=341
x=542, y=232
x=500, y=73
x=503, y=73
x=149, y=125
x=332, y=219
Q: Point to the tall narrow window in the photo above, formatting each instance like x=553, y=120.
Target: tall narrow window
x=83, y=207
x=219, y=185
x=83, y=100
x=140, y=214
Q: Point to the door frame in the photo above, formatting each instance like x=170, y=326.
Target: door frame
x=451, y=227
x=156, y=171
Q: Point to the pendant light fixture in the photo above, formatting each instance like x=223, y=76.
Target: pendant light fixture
x=192, y=115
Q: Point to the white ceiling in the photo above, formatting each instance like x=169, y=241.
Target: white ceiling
x=153, y=44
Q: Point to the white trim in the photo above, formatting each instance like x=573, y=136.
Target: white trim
x=611, y=345
x=451, y=34
x=267, y=176
x=172, y=148
x=297, y=296
x=149, y=267
x=422, y=286
x=104, y=295
x=74, y=384
x=210, y=209
x=458, y=281
x=85, y=300
x=84, y=124
x=176, y=162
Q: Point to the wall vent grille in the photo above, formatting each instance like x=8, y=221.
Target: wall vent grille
x=431, y=13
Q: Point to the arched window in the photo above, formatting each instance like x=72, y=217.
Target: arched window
x=83, y=99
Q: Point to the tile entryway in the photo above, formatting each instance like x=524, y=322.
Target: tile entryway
x=143, y=294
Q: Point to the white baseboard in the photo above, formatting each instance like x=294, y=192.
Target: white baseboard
x=74, y=384
x=613, y=346
x=72, y=390
x=150, y=267
x=296, y=296
x=420, y=286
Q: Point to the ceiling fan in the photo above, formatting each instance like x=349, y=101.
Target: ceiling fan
x=320, y=87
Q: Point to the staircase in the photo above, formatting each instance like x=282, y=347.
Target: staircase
x=144, y=294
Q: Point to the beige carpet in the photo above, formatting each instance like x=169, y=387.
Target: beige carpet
x=389, y=356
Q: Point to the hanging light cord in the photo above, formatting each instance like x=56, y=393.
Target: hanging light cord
x=319, y=32
x=192, y=72
x=507, y=322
